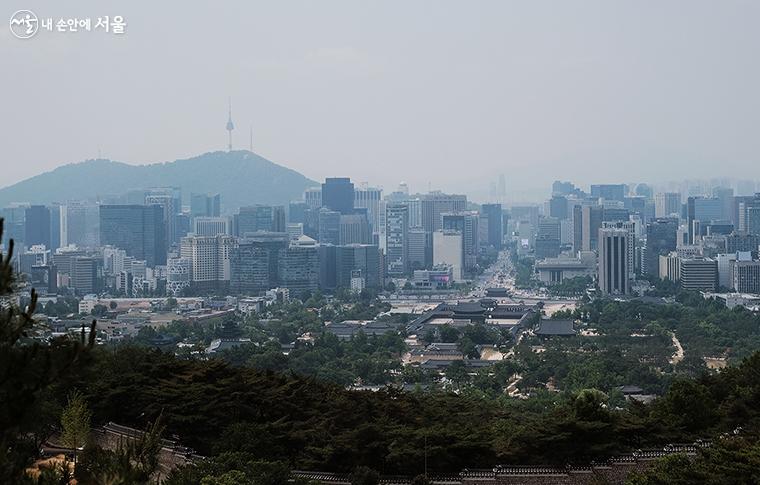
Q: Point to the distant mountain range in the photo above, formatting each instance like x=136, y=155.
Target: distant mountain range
x=241, y=177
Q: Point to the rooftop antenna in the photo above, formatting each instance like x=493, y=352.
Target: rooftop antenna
x=230, y=127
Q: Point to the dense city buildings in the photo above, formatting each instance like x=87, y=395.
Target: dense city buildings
x=342, y=236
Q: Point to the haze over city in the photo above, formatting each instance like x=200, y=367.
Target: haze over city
x=443, y=95
x=331, y=242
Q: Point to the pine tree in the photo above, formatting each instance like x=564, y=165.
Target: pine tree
x=75, y=422
x=28, y=369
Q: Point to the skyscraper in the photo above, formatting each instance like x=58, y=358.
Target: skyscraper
x=613, y=261
x=666, y=204
x=254, y=263
x=137, y=229
x=369, y=198
x=209, y=258
x=329, y=226
x=447, y=250
x=397, y=243
x=701, y=209
x=37, y=226
x=298, y=267
x=338, y=194
x=662, y=237
x=558, y=207
x=591, y=221
x=493, y=214
x=211, y=226
x=609, y=191
x=205, y=205
x=80, y=224
x=435, y=204
x=255, y=218
x=467, y=224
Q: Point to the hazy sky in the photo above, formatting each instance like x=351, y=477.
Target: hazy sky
x=446, y=94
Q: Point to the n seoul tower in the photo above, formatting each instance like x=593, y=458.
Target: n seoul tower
x=230, y=127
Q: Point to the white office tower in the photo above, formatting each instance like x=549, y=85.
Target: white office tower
x=313, y=197
x=613, y=261
x=294, y=230
x=447, y=250
x=211, y=226
x=209, y=258
x=667, y=204
x=369, y=198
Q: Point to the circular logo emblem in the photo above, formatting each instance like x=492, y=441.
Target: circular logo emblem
x=24, y=24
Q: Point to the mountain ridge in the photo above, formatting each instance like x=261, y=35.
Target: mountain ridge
x=241, y=177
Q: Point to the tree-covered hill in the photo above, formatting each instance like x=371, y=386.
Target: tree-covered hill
x=241, y=177
x=307, y=424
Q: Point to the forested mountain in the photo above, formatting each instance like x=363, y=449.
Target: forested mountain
x=241, y=177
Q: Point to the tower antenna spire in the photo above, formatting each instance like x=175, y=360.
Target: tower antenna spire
x=230, y=127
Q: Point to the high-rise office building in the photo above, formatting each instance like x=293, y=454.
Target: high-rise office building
x=493, y=215
x=250, y=219
x=701, y=209
x=205, y=205
x=448, y=250
x=313, y=197
x=211, y=226
x=37, y=226
x=83, y=277
x=699, y=274
x=209, y=258
x=178, y=276
x=591, y=221
x=666, y=204
x=298, y=267
x=436, y=203
x=369, y=198
x=250, y=268
x=752, y=215
x=170, y=201
x=420, y=248
x=613, y=261
x=742, y=242
x=14, y=223
x=297, y=212
x=726, y=197
x=354, y=229
x=254, y=263
x=609, y=191
x=338, y=194
x=137, y=229
x=397, y=238
x=662, y=234
x=329, y=226
x=80, y=224
x=746, y=276
x=467, y=224
x=630, y=228
x=558, y=207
